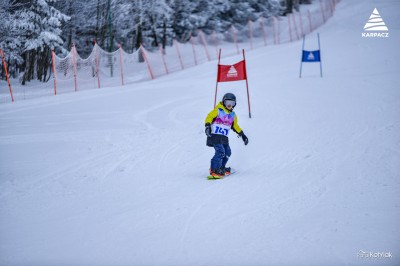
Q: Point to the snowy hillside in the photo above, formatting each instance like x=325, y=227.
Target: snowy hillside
x=117, y=176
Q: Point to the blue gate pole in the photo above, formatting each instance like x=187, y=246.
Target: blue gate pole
x=301, y=61
x=320, y=57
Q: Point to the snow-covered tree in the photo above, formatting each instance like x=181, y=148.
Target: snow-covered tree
x=156, y=22
x=126, y=16
x=184, y=20
x=238, y=14
x=214, y=22
x=36, y=27
x=267, y=8
x=10, y=41
x=88, y=23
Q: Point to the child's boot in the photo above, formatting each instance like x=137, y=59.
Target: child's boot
x=217, y=173
x=227, y=170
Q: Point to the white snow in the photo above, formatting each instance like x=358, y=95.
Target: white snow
x=117, y=176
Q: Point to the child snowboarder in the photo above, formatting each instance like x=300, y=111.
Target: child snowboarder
x=218, y=124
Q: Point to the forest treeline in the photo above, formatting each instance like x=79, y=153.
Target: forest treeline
x=30, y=29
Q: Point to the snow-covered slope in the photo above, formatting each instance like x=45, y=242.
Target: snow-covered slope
x=117, y=176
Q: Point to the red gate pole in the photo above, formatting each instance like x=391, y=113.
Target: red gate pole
x=53, y=64
x=8, y=79
x=216, y=86
x=247, y=84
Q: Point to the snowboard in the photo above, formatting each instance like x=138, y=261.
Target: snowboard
x=210, y=177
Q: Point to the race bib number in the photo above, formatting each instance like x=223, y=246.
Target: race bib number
x=220, y=129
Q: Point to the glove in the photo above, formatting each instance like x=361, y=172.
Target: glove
x=245, y=139
x=208, y=131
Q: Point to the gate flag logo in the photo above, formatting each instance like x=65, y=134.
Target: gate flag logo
x=232, y=72
x=311, y=56
x=375, y=22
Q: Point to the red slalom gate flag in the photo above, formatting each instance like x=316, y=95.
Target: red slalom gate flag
x=232, y=72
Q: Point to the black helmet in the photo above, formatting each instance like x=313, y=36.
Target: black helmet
x=229, y=96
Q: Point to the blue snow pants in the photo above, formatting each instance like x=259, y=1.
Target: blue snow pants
x=221, y=156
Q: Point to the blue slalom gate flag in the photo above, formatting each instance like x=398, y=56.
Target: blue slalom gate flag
x=311, y=56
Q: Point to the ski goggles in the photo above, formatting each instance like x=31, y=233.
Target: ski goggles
x=229, y=103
